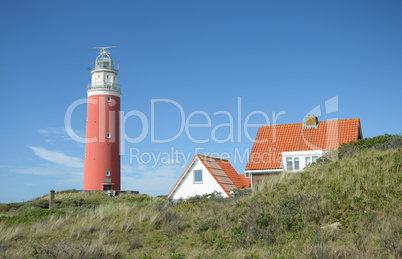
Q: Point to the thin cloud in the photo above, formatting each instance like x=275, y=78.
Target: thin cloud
x=74, y=179
x=43, y=131
x=57, y=157
x=152, y=181
x=37, y=171
x=127, y=169
x=53, y=134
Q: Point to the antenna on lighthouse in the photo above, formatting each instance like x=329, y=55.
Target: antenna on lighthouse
x=103, y=49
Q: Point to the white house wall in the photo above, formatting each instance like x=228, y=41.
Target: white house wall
x=302, y=157
x=188, y=188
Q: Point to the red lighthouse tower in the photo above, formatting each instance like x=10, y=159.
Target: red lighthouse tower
x=102, y=147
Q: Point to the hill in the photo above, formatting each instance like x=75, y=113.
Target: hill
x=348, y=208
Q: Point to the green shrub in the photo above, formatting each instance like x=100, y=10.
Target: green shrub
x=30, y=216
x=379, y=142
x=8, y=206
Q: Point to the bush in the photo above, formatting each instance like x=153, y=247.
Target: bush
x=134, y=197
x=235, y=193
x=8, y=207
x=379, y=142
x=30, y=216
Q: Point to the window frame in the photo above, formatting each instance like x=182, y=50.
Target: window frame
x=289, y=160
x=107, y=172
x=108, y=135
x=292, y=161
x=194, y=177
x=307, y=163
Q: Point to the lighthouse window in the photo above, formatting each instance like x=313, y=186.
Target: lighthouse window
x=109, y=99
x=108, y=135
x=107, y=172
x=107, y=76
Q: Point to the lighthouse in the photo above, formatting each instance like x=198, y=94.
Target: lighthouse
x=102, y=146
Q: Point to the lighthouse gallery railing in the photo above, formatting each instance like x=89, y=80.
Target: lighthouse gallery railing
x=108, y=86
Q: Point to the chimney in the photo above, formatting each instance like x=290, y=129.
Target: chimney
x=310, y=121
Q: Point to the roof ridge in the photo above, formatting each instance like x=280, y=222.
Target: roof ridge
x=295, y=123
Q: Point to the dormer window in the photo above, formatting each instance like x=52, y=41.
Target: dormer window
x=292, y=163
x=296, y=164
x=289, y=164
x=308, y=160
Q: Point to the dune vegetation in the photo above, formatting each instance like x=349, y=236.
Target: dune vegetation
x=345, y=208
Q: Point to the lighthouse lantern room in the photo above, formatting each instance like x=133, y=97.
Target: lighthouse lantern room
x=102, y=146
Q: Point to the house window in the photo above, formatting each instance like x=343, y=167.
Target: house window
x=308, y=160
x=107, y=172
x=314, y=158
x=292, y=163
x=109, y=99
x=108, y=135
x=247, y=175
x=197, y=176
x=289, y=163
x=296, y=163
x=311, y=159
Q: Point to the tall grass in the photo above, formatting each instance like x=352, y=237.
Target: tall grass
x=350, y=208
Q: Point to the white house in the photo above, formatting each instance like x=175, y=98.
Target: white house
x=291, y=147
x=205, y=175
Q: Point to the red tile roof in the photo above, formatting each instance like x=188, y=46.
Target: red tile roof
x=272, y=140
x=222, y=171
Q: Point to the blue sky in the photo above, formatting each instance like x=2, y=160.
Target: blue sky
x=204, y=59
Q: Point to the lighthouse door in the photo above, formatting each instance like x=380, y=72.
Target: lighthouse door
x=106, y=187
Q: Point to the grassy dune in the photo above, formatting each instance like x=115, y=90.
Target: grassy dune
x=345, y=209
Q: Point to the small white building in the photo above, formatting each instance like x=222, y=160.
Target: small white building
x=205, y=175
